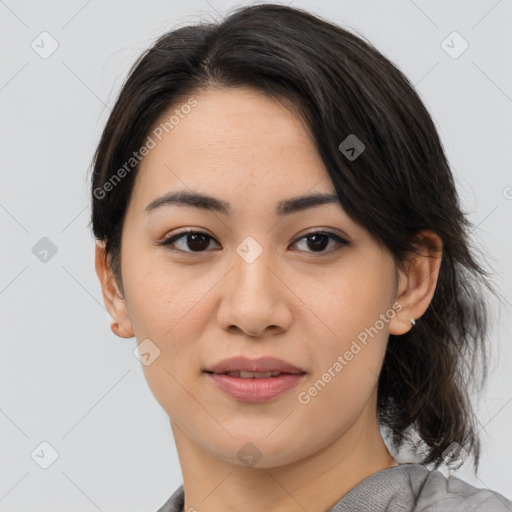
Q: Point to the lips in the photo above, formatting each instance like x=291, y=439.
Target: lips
x=255, y=380
x=243, y=367
x=252, y=375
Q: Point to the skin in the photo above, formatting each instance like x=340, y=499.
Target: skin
x=292, y=302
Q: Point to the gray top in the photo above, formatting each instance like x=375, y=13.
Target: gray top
x=403, y=488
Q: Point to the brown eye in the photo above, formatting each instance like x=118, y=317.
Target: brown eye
x=317, y=241
x=190, y=241
x=198, y=241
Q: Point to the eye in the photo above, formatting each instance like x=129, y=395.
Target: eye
x=196, y=241
x=318, y=240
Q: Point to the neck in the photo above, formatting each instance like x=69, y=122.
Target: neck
x=314, y=483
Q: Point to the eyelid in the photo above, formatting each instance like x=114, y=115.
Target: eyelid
x=170, y=239
x=323, y=231
x=340, y=240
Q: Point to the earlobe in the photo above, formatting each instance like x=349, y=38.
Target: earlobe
x=113, y=299
x=417, y=282
x=120, y=331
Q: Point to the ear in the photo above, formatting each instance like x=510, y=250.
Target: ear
x=417, y=281
x=112, y=297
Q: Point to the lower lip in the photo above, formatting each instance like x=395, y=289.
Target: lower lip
x=256, y=390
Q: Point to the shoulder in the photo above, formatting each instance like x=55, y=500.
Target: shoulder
x=440, y=493
x=407, y=487
x=413, y=487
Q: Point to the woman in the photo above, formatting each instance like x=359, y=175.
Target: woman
x=233, y=150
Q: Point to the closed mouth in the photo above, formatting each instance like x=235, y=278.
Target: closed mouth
x=256, y=375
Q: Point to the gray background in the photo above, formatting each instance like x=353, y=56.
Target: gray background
x=65, y=378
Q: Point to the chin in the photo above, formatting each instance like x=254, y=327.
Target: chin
x=259, y=451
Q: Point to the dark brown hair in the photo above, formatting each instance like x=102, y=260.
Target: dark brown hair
x=339, y=84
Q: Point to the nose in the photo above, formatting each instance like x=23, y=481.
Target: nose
x=255, y=298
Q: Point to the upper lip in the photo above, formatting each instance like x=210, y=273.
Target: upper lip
x=262, y=364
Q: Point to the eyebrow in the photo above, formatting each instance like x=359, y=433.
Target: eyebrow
x=209, y=203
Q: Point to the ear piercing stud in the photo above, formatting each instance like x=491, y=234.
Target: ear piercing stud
x=412, y=321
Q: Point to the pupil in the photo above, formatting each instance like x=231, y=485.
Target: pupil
x=319, y=241
x=196, y=239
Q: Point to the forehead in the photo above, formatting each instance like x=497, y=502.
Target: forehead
x=229, y=111
x=232, y=139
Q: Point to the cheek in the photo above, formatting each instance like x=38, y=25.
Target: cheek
x=355, y=309
x=347, y=305
x=164, y=307
x=162, y=300
x=346, y=370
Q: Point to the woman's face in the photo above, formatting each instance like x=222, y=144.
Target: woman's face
x=254, y=284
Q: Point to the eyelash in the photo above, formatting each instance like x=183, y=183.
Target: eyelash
x=173, y=238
